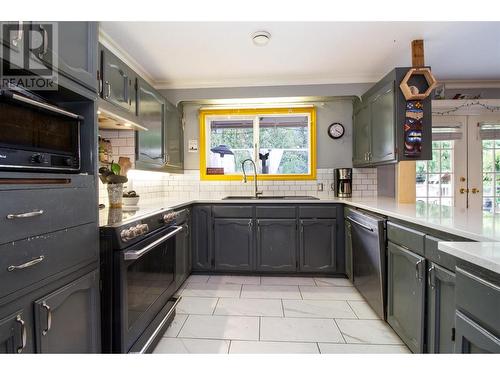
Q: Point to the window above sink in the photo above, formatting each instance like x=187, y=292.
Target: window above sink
x=281, y=142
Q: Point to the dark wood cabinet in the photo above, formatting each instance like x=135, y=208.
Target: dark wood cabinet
x=150, y=144
x=118, y=82
x=67, y=320
x=233, y=243
x=201, y=239
x=16, y=333
x=276, y=245
x=317, y=249
x=406, y=295
x=440, y=310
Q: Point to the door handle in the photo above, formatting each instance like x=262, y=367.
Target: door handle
x=45, y=42
x=49, y=318
x=23, y=333
x=25, y=214
x=463, y=190
x=474, y=190
x=418, y=270
x=31, y=263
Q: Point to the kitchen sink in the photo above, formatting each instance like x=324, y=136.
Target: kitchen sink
x=282, y=197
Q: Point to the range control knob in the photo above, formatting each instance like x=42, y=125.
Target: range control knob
x=39, y=158
x=143, y=228
x=127, y=234
x=169, y=217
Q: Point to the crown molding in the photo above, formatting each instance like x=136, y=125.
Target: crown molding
x=114, y=47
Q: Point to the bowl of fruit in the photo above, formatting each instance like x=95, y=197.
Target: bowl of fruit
x=130, y=198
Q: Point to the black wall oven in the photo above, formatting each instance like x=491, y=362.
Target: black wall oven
x=36, y=135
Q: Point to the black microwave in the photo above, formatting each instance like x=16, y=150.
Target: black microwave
x=36, y=135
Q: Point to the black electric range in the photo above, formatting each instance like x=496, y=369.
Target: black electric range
x=138, y=273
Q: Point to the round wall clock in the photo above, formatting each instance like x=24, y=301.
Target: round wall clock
x=336, y=130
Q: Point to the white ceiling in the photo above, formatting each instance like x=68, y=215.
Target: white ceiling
x=221, y=54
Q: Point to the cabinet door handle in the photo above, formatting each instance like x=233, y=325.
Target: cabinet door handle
x=23, y=333
x=108, y=86
x=25, y=215
x=250, y=224
x=49, y=318
x=31, y=263
x=431, y=277
x=45, y=42
x=418, y=270
x=19, y=36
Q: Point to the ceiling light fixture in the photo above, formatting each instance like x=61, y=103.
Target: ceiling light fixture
x=261, y=38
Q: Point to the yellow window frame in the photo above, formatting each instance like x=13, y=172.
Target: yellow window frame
x=310, y=111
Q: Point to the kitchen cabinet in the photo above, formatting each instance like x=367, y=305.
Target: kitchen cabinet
x=473, y=338
x=150, y=144
x=67, y=320
x=174, y=139
x=118, y=82
x=361, y=134
x=348, y=250
x=318, y=239
x=378, y=122
x=201, y=239
x=76, y=51
x=406, y=295
x=14, y=37
x=276, y=245
x=382, y=125
x=440, y=310
x=233, y=243
x=15, y=333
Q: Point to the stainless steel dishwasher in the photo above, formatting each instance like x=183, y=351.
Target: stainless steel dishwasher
x=369, y=257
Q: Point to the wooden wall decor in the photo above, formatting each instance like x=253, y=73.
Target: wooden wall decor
x=412, y=92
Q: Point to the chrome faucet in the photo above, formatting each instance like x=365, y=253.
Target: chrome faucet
x=257, y=192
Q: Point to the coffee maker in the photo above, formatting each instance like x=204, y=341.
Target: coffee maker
x=342, y=182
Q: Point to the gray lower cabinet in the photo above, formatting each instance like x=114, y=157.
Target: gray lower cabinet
x=15, y=332
x=233, y=243
x=201, y=240
x=67, y=320
x=276, y=245
x=440, y=310
x=348, y=250
x=406, y=295
x=317, y=245
x=473, y=338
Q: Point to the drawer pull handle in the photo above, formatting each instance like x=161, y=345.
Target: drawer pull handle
x=49, y=318
x=27, y=264
x=23, y=333
x=24, y=215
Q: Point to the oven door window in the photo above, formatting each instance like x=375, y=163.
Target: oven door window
x=148, y=278
x=33, y=129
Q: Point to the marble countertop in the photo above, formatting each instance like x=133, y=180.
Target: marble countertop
x=483, y=254
x=474, y=226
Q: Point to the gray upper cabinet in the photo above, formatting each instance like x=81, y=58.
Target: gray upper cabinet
x=150, y=144
x=382, y=125
x=318, y=239
x=440, y=310
x=14, y=37
x=201, y=239
x=361, y=134
x=379, y=118
x=406, y=295
x=276, y=245
x=233, y=242
x=76, y=51
x=174, y=137
x=67, y=320
x=118, y=81
x=15, y=333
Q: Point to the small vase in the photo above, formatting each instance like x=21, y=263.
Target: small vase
x=115, y=194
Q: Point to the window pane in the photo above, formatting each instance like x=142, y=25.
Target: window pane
x=488, y=184
x=488, y=161
x=488, y=204
x=446, y=144
x=231, y=141
x=434, y=185
x=433, y=165
x=284, y=144
x=421, y=185
x=446, y=161
x=446, y=185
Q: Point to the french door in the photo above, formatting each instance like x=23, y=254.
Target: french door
x=464, y=172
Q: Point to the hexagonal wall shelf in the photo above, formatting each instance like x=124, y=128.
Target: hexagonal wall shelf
x=411, y=92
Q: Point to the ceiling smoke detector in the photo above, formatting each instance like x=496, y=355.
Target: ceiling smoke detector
x=261, y=38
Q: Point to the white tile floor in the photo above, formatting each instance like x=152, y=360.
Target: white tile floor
x=253, y=314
